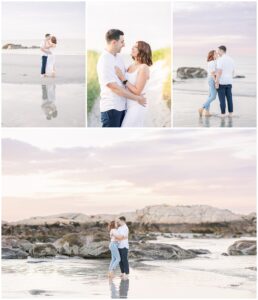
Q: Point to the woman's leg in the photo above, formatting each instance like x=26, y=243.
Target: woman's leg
x=212, y=95
x=115, y=257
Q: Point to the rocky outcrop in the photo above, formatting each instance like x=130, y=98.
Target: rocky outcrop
x=18, y=46
x=14, y=242
x=151, y=251
x=8, y=253
x=86, y=246
x=189, y=72
x=243, y=247
x=43, y=250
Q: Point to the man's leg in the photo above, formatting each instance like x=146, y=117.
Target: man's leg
x=124, y=259
x=122, y=117
x=222, y=98
x=43, y=65
x=229, y=98
x=121, y=265
x=111, y=118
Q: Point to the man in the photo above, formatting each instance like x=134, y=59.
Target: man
x=44, y=50
x=113, y=93
x=224, y=80
x=123, y=247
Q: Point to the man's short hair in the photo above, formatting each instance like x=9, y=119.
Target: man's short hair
x=47, y=35
x=223, y=48
x=113, y=34
x=122, y=219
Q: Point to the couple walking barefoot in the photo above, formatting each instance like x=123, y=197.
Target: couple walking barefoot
x=220, y=78
x=119, y=247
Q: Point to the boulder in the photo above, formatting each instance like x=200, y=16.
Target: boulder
x=8, y=253
x=152, y=251
x=43, y=250
x=243, y=247
x=188, y=72
x=95, y=250
x=14, y=243
x=199, y=251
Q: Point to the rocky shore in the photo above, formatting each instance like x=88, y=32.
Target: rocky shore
x=87, y=236
x=18, y=46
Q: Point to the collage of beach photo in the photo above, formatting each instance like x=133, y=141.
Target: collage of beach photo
x=165, y=206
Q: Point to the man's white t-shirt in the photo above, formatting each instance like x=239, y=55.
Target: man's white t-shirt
x=43, y=45
x=227, y=65
x=106, y=74
x=123, y=230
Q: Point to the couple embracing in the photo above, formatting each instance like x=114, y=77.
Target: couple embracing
x=119, y=247
x=220, y=78
x=47, y=48
x=122, y=95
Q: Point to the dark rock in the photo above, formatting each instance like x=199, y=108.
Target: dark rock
x=224, y=254
x=199, y=251
x=153, y=251
x=43, y=250
x=243, y=247
x=8, y=253
x=188, y=72
x=239, y=76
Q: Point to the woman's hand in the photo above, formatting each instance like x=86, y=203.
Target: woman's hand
x=120, y=74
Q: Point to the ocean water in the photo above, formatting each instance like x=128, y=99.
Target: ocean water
x=189, y=95
x=208, y=276
x=64, y=47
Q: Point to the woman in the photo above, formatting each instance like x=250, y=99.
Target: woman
x=211, y=59
x=50, y=68
x=113, y=247
x=136, y=78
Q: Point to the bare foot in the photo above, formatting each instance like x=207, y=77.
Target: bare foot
x=200, y=110
x=230, y=115
x=222, y=115
x=207, y=113
x=110, y=274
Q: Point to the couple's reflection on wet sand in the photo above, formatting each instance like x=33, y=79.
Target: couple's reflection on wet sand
x=121, y=291
x=48, y=101
x=223, y=122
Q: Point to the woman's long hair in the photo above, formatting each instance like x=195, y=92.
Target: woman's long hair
x=211, y=55
x=145, y=55
x=53, y=40
x=111, y=225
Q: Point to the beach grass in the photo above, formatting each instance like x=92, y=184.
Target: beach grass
x=165, y=54
x=93, y=88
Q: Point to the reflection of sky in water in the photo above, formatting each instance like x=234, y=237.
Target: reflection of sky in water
x=44, y=105
x=210, y=274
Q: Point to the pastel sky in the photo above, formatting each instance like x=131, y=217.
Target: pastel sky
x=148, y=21
x=55, y=171
x=32, y=20
x=203, y=26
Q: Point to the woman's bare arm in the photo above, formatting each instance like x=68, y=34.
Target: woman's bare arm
x=143, y=76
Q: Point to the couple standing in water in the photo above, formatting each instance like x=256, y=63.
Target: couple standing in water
x=119, y=247
x=220, y=78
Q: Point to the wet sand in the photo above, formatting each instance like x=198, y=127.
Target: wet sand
x=43, y=105
x=21, y=68
x=208, y=276
x=31, y=101
x=190, y=95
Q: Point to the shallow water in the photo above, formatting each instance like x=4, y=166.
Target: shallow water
x=189, y=96
x=208, y=276
x=43, y=105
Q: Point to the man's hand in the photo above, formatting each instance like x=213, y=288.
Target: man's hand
x=216, y=84
x=142, y=100
x=120, y=74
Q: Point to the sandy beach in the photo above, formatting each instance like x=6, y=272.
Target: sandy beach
x=46, y=102
x=189, y=95
x=21, y=68
x=202, y=277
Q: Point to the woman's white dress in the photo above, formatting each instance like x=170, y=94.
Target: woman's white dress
x=135, y=114
x=50, y=69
